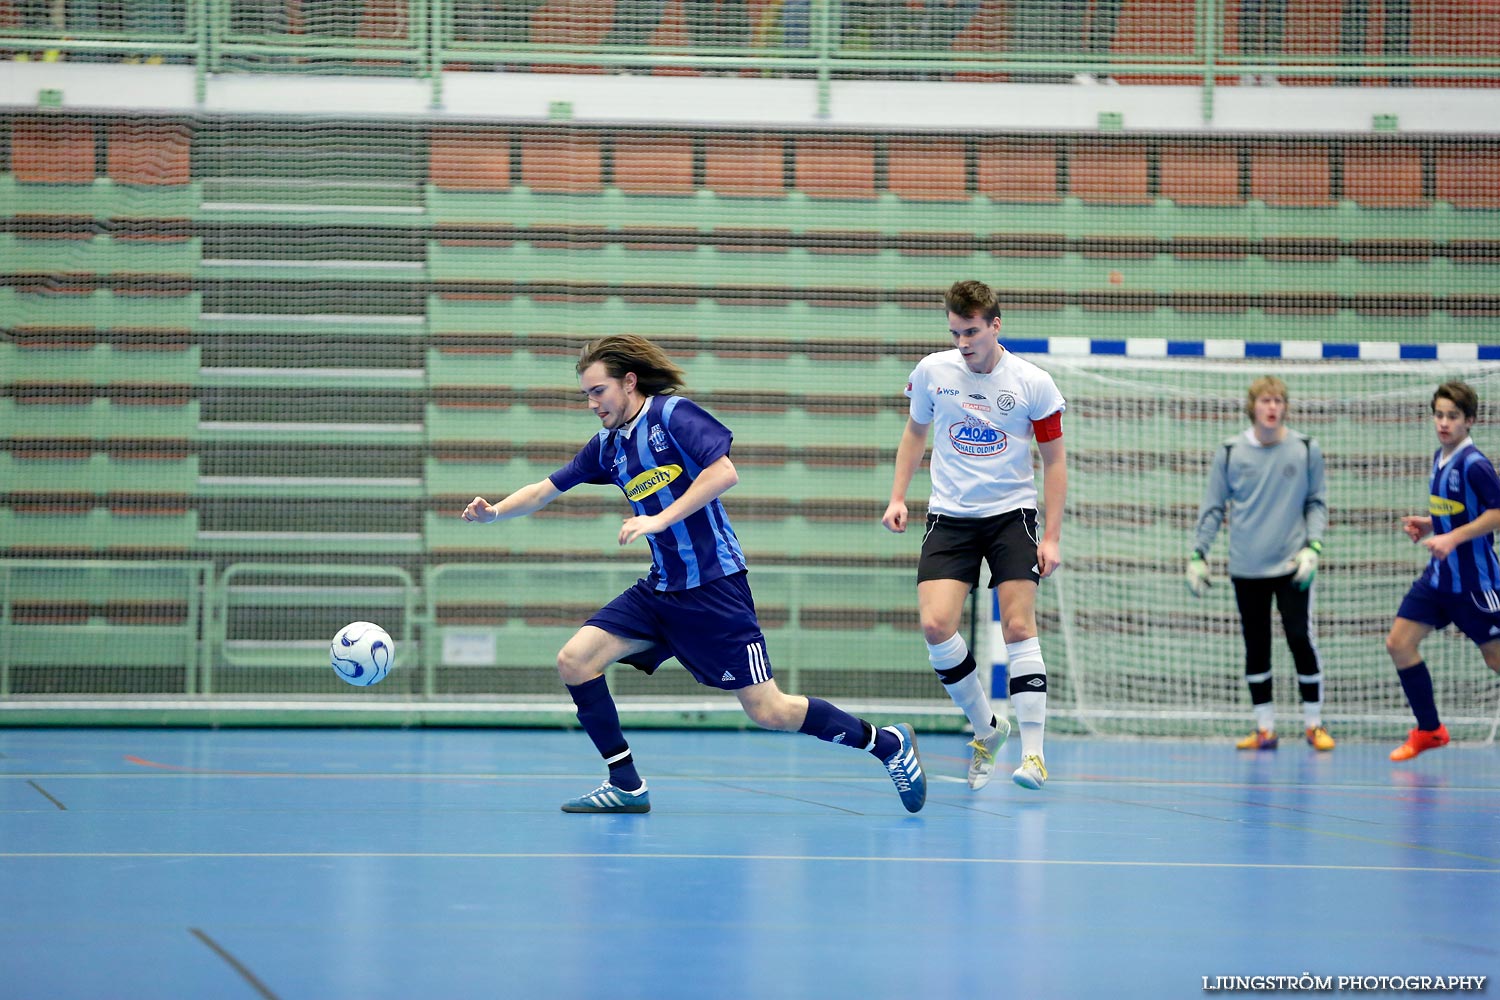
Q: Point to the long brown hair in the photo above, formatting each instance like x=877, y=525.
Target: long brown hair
x=655, y=373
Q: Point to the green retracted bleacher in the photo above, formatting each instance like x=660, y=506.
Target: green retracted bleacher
x=243, y=343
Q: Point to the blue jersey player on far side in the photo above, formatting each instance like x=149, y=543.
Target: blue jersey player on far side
x=671, y=460
x=1461, y=585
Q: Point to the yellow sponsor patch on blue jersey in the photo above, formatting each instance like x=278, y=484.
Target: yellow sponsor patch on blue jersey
x=1443, y=507
x=651, y=480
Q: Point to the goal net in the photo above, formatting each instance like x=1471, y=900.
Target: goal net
x=1131, y=651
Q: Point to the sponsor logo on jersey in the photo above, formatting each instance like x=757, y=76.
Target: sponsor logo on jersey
x=1443, y=507
x=982, y=408
x=1006, y=402
x=658, y=438
x=947, y=392
x=650, y=481
x=976, y=437
x=977, y=395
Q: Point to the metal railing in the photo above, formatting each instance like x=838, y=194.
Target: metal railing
x=195, y=625
x=66, y=614
x=822, y=40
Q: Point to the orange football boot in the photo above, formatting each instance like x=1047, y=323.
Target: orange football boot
x=1419, y=740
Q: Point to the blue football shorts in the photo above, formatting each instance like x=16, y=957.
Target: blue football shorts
x=1475, y=612
x=712, y=630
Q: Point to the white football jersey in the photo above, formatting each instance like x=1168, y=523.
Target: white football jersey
x=981, y=437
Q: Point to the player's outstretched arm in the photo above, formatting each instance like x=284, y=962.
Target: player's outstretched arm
x=526, y=500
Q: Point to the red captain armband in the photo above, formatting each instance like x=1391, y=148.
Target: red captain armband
x=1048, y=428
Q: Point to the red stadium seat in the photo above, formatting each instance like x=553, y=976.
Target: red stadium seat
x=745, y=166
x=653, y=164
x=1110, y=173
x=52, y=151
x=1385, y=175
x=1468, y=177
x=150, y=154
x=1018, y=170
x=836, y=166
x=463, y=160
x=562, y=164
x=1201, y=173
x=1291, y=175
x=927, y=170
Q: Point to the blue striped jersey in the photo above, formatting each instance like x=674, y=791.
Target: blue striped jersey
x=1463, y=488
x=654, y=461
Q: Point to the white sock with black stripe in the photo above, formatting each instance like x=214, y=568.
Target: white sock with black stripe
x=1028, y=692
x=956, y=669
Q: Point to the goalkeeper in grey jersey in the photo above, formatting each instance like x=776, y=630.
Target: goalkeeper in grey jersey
x=1271, y=480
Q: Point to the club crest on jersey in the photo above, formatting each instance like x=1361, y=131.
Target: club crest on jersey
x=1443, y=507
x=658, y=438
x=976, y=437
x=650, y=481
x=1006, y=402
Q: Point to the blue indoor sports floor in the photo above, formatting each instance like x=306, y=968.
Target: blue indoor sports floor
x=435, y=864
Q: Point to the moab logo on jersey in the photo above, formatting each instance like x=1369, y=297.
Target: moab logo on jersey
x=976, y=437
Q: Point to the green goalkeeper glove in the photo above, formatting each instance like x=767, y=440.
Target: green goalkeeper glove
x=1306, y=561
x=1197, y=575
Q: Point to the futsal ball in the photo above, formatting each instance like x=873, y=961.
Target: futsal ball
x=362, y=653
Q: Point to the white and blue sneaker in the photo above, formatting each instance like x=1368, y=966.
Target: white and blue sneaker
x=905, y=768
x=609, y=799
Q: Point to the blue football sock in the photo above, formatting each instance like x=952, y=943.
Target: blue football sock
x=601, y=720
x=832, y=724
x=1417, y=683
x=886, y=743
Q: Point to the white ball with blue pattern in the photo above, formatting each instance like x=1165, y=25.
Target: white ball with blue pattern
x=362, y=653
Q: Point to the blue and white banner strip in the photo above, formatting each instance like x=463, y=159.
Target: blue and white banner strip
x=1299, y=350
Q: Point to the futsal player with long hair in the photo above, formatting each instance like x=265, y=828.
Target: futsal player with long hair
x=670, y=458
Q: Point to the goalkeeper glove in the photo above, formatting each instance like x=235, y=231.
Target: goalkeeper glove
x=1197, y=575
x=1306, y=561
